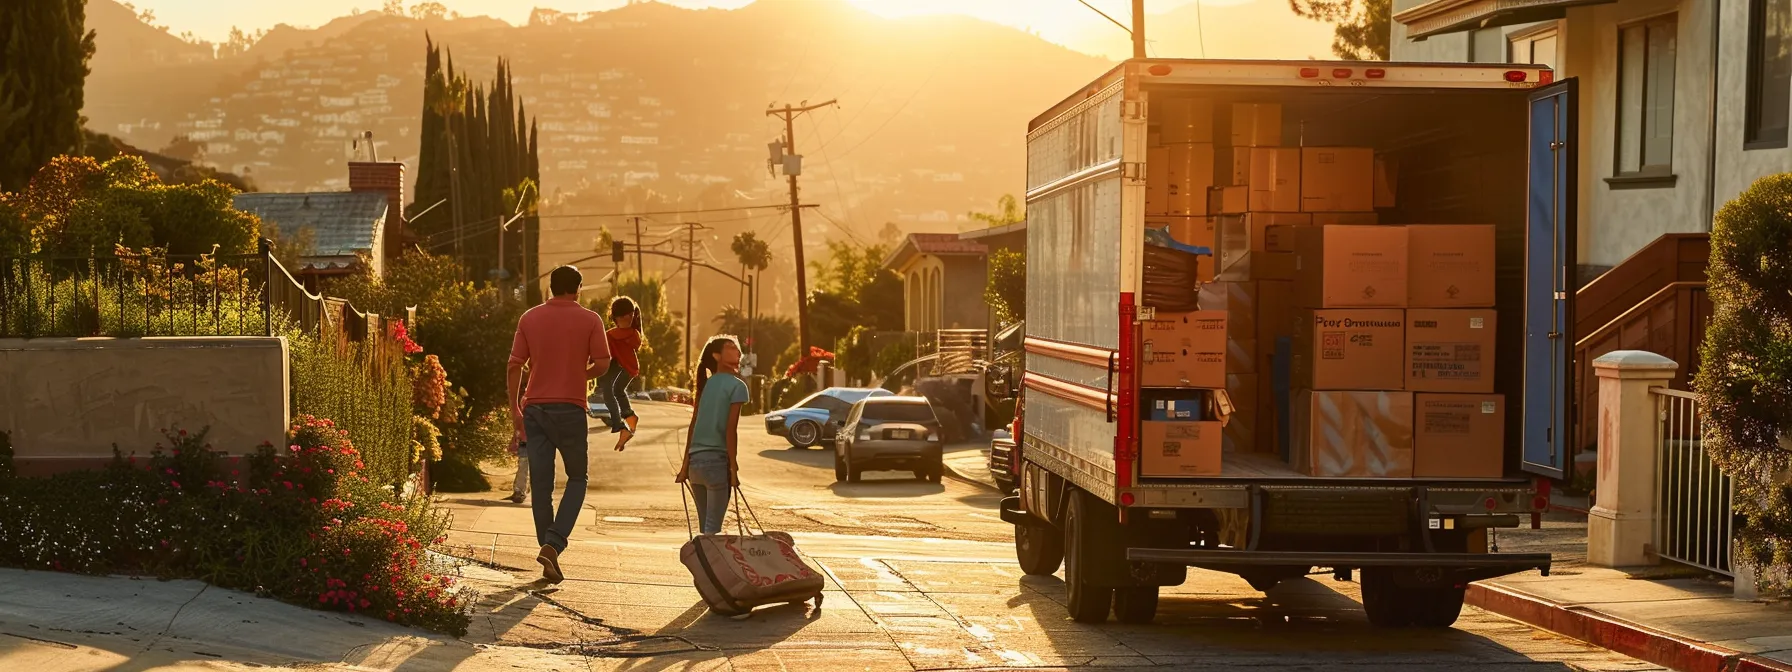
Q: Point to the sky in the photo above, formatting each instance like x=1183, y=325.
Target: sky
x=1054, y=20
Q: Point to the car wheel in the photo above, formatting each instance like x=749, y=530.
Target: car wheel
x=839, y=468
x=852, y=472
x=936, y=472
x=805, y=434
x=920, y=474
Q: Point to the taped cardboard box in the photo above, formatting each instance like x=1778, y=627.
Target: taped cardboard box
x=1238, y=237
x=1333, y=218
x=1228, y=200
x=1180, y=449
x=1274, y=179
x=1350, y=349
x=1353, y=434
x=1182, y=120
x=1275, y=313
x=1450, y=266
x=1242, y=356
x=1256, y=125
x=1450, y=349
x=1459, y=435
x=1185, y=350
x=1191, y=176
x=1337, y=179
x=1238, y=300
x=1349, y=266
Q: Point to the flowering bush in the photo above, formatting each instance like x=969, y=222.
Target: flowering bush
x=429, y=388
x=300, y=524
x=809, y=362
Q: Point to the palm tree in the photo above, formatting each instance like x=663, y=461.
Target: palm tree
x=753, y=253
x=1008, y=211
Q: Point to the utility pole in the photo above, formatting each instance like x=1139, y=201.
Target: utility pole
x=640, y=265
x=1138, y=28
x=690, y=268
x=789, y=114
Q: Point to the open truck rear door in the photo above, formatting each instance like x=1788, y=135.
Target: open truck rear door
x=1549, y=290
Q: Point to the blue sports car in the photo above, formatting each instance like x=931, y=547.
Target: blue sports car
x=811, y=421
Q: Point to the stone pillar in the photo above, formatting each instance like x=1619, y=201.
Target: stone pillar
x=1621, y=523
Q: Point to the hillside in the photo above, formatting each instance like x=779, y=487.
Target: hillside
x=930, y=124
x=1258, y=29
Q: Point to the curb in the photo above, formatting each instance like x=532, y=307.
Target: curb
x=1631, y=639
x=957, y=475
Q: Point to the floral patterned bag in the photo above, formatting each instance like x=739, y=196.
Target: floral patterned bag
x=737, y=572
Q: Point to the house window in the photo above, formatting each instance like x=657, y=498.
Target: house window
x=1769, y=73
x=1537, y=46
x=1646, y=98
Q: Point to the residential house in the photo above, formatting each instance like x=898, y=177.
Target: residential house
x=1683, y=103
x=365, y=222
x=929, y=264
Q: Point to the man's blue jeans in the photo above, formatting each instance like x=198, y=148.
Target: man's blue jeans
x=550, y=429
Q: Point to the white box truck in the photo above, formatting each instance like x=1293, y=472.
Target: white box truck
x=1476, y=143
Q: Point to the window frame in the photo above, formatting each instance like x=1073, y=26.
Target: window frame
x=1755, y=77
x=1529, y=37
x=1646, y=175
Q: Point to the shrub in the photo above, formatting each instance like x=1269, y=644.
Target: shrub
x=1745, y=375
x=363, y=385
x=301, y=524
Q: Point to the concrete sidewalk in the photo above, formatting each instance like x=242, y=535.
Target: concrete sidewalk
x=969, y=462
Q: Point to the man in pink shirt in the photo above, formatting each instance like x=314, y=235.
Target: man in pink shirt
x=563, y=345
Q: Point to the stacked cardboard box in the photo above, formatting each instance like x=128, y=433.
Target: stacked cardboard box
x=1184, y=351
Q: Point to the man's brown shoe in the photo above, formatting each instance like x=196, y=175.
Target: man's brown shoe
x=550, y=564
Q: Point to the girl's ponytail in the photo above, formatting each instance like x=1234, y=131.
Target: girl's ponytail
x=706, y=365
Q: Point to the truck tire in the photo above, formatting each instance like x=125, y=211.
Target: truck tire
x=1040, y=549
x=1087, y=602
x=1392, y=606
x=1135, y=605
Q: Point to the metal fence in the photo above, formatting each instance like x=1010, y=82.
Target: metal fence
x=1695, y=500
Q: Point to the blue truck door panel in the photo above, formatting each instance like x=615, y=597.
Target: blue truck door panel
x=1548, y=292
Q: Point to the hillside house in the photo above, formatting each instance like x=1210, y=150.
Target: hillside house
x=365, y=222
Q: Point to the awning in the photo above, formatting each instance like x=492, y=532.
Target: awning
x=1438, y=17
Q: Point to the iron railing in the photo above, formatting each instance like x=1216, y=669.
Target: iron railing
x=1695, y=500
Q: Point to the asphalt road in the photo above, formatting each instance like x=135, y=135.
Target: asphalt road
x=922, y=576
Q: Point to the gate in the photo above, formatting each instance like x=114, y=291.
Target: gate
x=1695, y=500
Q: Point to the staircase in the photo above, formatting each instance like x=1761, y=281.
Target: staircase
x=1655, y=301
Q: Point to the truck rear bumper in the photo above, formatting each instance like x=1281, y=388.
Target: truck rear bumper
x=1455, y=568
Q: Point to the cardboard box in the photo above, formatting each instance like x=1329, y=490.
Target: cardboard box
x=1349, y=266
x=1337, y=179
x=1238, y=300
x=1176, y=410
x=1331, y=218
x=1228, y=200
x=1196, y=230
x=1450, y=349
x=1275, y=314
x=1256, y=125
x=1157, y=181
x=1387, y=179
x=1190, y=175
x=1350, y=349
x=1238, y=237
x=1449, y=266
x=1242, y=356
x=1353, y=434
x=1242, y=429
x=1181, y=120
x=1274, y=179
x=1185, y=350
x=1172, y=449
x=1459, y=435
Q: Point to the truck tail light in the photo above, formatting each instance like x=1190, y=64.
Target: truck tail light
x=1516, y=75
x=1491, y=503
x=1375, y=73
x=1126, y=499
x=1309, y=73
x=1546, y=76
x=1158, y=70
x=1341, y=73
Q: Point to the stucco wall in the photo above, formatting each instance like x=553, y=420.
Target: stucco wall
x=69, y=400
x=962, y=304
x=1737, y=167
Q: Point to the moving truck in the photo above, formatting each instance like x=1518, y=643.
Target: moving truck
x=1474, y=144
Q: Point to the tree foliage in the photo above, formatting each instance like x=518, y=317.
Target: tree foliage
x=752, y=252
x=1360, y=27
x=771, y=334
x=77, y=206
x=44, y=50
x=1006, y=290
x=1008, y=211
x=1745, y=373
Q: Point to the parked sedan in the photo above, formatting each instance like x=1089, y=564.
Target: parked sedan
x=811, y=422
x=889, y=433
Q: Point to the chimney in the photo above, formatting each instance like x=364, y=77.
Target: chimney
x=385, y=177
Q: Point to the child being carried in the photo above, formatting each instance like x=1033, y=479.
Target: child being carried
x=625, y=339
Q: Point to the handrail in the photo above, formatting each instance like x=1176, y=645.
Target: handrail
x=1081, y=354
x=1670, y=392
x=1647, y=303
x=1082, y=395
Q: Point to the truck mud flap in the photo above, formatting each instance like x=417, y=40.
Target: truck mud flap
x=1011, y=513
x=1414, y=569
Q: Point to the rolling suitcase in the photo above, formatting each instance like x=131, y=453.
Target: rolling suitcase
x=737, y=572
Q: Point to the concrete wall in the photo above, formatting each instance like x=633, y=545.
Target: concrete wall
x=66, y=401
x=1738, y=167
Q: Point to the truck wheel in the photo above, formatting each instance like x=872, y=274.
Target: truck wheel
x=1384, y=602
x=1135, y=605
x=1040, y=549
x=1436, y=607
x=1088, y=603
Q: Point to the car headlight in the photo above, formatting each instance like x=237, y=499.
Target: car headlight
x=773, y=418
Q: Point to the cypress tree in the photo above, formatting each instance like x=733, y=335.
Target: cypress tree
x=44, y=50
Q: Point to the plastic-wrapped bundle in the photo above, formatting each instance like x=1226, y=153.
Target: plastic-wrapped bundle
x=1172, y=278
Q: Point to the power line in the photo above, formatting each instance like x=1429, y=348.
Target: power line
x=898, y=112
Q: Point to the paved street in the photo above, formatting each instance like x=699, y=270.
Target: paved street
x=922, y=576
